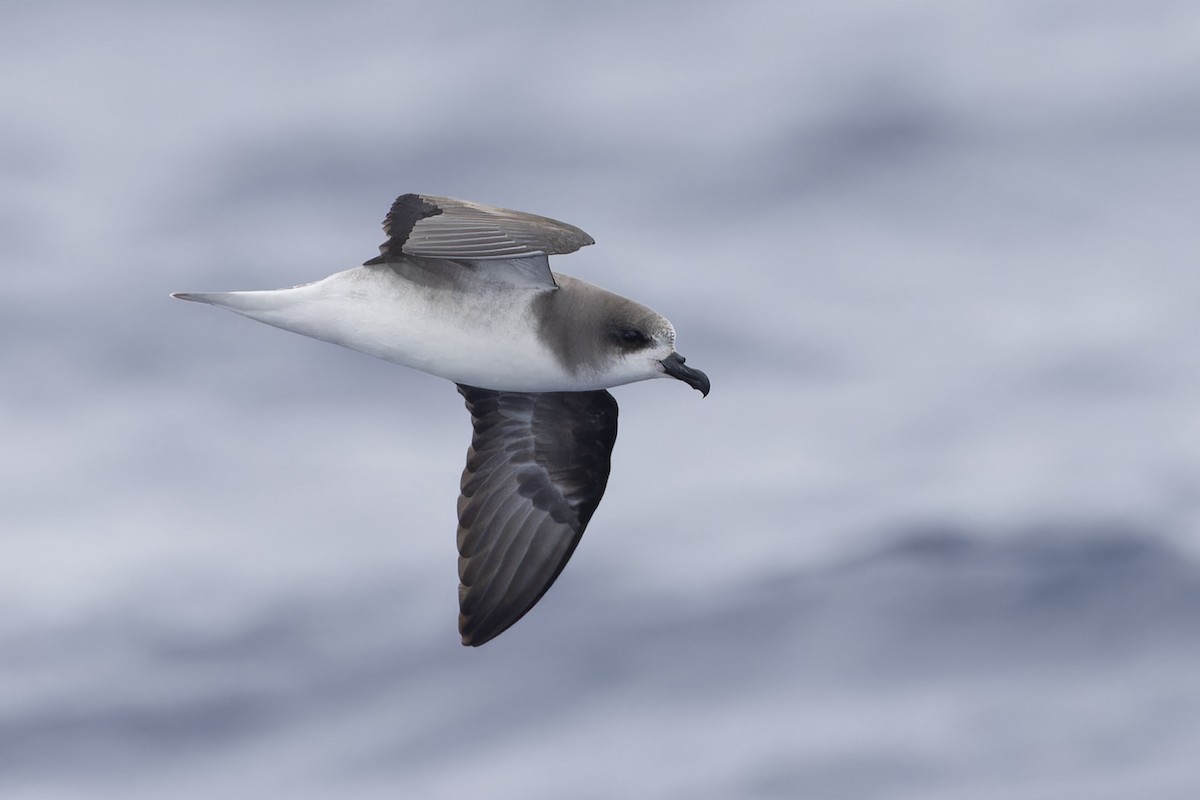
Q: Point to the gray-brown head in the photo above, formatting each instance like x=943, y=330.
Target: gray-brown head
x=610, y=340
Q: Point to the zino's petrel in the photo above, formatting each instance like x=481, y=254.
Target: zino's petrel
x=464, y=291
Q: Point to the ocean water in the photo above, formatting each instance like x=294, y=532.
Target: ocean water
x=934, y=534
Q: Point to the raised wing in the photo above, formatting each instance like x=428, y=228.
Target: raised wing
x=428, y=226
x=536, y=471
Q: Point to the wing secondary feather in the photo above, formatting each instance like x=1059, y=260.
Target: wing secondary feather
x=536, y=470
x=428, y=226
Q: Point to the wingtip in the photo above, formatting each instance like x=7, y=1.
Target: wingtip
x=472, y=638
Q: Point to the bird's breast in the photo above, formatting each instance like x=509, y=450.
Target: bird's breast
x=484, y=335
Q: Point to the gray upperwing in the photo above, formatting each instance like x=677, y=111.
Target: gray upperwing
x=535, y=473
x=428, y=226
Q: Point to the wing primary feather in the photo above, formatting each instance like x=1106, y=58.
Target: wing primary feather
x=535, y=473
x=430, y=226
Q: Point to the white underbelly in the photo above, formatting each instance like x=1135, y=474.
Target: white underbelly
x=487, y=339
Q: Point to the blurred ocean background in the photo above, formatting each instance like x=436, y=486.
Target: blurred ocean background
x=934, y=534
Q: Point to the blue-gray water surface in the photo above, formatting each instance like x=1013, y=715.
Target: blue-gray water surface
x=934, y=534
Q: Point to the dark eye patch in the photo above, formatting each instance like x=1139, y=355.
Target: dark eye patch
x=631, y=337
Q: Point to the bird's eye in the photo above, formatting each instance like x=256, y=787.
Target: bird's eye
x=632, y=337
